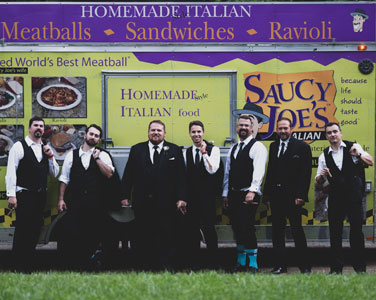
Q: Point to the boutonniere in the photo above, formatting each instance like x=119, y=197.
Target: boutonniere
x=165, y=149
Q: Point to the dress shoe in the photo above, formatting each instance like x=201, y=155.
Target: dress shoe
x=279, y=270
x=360, y=270
x=238, y=268
x=305, y=270
x=252, y=270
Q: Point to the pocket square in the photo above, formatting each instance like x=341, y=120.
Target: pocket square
x=172, y=158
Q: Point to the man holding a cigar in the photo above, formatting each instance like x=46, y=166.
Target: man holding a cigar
x=342, y=164
x=29, y=163
x=244, y=172
x=286, y=188
x=204, y=186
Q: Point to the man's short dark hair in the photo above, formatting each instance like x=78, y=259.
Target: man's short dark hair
x=96, y=127
x=332, y=124
x=196, y=123
x=285, y=119
x=33, y=119
x=158, y=122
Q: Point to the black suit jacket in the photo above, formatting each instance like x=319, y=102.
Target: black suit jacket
x=296, y=174
x=167, y=187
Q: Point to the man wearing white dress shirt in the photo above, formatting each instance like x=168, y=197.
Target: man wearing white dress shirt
x=342, y=164
x=204, y=186
x=82, y=192
x=286, y=188
x=244, y=172
x=29, y=163
x=155, y=181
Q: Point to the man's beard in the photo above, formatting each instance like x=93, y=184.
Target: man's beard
x=90, y=142
x=243, y=133
x=37, y=134
x=156, y=139
x=283, y=137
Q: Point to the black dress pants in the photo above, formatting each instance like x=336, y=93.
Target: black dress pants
x=29, y=214
x=80, y=231
x=339, y=207
x=201, y=215
x=242, y=217
x=154, y=242
x=282, y=209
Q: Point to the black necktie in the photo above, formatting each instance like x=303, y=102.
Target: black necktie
x=282, y=150
x=156, y=155
x=240, y=147
x=197, y=158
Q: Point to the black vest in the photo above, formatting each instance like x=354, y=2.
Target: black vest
x=200, y=182
x=350, y=178
x=83, y=182
x=241, y=168
x=32, y=174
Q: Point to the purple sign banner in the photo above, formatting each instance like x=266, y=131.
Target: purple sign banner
x=187, y=23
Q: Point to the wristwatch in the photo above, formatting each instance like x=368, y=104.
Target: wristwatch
x=97, y=158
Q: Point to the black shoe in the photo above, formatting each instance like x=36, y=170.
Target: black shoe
x=305, y=270
x=252, y=270
x=360, y=270
x=279, y=270
x=239, y=268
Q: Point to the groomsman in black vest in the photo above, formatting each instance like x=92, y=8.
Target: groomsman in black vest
x=204, y=185
x=82, y=189
x=342, y=164
x=244, y=172
x=286, y=188
x=29, y=163
x=154, y=178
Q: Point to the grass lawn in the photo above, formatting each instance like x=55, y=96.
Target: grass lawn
x=193, y=286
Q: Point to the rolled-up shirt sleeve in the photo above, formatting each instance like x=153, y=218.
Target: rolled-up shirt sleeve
x=53, y=167
x=67, y=165
x=226, y=175
x=16, y=153
x=321, y=165
x=358, y=148
x=259, y=154
x=107, y=160
x=211, y=162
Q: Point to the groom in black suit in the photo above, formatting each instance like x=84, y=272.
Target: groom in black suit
x=154, y=178
x=286, y=189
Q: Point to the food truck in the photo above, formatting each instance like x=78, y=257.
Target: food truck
x=121, y=65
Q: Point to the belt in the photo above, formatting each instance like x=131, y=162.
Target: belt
x=39, y=190
x=239, y=190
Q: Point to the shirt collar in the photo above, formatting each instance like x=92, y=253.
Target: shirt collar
x=29, y=141
x=247, y=140
x=342, y=145
x=151, y=145
x=285, y=141
x=82, y=152
x=194, y=148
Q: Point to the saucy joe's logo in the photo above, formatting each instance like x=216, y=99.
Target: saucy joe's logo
x=305, y=98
